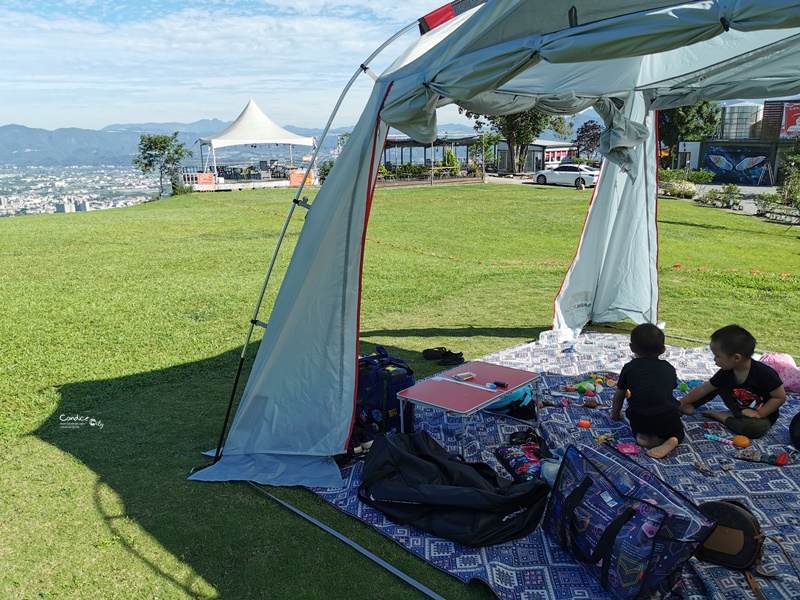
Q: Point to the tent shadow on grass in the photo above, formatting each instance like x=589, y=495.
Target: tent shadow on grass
x=208, y=540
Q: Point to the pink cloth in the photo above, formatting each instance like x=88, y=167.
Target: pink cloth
x=787, y=370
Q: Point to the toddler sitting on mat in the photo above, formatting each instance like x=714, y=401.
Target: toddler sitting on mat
x=752, y=391
x=647, y=382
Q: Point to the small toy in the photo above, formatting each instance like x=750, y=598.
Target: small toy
x=611, y=382
x=628, y=448
x=590, y=404
x=585, y=423
x=589, y=394
x=684, y=387
x=598, y=388
x=602, y=438
x=570, y=387
x=740, y=441
x=703, y=468
x=465, y=376
x=755, y=456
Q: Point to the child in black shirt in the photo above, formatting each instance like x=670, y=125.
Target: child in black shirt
x=648, y=382
x=751, y=390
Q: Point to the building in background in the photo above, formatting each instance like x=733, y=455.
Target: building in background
x=747, y=148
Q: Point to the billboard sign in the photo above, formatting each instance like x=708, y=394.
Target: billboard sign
x=790, y=127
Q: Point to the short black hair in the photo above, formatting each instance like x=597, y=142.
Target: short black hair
x=733, y=339
x=647, y=340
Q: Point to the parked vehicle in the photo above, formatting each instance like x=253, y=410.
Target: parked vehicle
x=575, y=175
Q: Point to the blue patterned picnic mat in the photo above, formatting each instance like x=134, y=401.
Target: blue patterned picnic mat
x=533, y=567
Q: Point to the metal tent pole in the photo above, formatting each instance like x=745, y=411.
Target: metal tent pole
x=363, y=68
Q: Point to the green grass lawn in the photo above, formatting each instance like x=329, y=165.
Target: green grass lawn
x=136, y=317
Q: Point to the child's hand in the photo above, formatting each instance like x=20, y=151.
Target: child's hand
x=616, y=417
x=687, y=409
x=750, y=413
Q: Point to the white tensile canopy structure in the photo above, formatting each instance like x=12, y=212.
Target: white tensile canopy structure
x=626, y=59
x=252, y=127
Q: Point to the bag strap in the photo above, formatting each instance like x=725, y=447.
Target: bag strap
x=605, y=545
x=785, y=553
x=751, y=578
x=754, y=585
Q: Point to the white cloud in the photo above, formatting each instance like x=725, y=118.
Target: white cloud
x=83, y=63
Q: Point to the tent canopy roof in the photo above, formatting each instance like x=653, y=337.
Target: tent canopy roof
x=506, y=56
x=254, y=127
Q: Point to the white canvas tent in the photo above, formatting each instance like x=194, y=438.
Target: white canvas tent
x=252, y=127
x=626, y=59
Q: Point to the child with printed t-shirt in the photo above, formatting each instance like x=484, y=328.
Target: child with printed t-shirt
x=751, y=390
x=652, y=409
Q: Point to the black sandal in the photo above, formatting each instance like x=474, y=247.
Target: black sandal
x=434, y=353
x=452, y=358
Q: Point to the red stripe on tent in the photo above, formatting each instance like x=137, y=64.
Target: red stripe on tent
x=442, y=15
x=433, y=19
x=658, y=246
x=373, y=175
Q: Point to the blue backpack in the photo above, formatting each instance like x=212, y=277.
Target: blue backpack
x=380, y=378
x=518, y=404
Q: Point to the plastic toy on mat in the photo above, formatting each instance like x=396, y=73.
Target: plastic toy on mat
x=628, y=448
x=770, y=459
x=740, y=441
x=685, y=386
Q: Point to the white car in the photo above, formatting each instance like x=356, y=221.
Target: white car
x=574, y=175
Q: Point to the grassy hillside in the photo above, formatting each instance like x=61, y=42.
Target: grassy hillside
x=136, y=318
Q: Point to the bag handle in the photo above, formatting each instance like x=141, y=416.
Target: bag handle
x=605, y=545
x=378, y=356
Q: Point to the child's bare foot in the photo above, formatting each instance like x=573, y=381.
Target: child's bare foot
x=664, y=449
x=716, y=415
x=687, y=409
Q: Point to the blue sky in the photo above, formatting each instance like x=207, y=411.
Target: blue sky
x=93, y=63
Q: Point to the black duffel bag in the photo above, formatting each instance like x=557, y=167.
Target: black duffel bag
x=412, y=480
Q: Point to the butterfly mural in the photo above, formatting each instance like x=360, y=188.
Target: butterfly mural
x=748, y=163
x=736, y=165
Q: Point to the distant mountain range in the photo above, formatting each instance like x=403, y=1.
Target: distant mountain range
x=116, y=145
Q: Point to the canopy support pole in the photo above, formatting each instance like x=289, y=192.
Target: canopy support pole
x=295, y=201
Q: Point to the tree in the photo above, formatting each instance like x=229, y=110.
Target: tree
x=161, y=154
x=587, y=139
x=789, y=188
x=324, y=169
x=695, y=122
x=520, y=130
x=482, y=150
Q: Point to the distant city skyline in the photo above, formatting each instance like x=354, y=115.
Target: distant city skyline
x=94, y=63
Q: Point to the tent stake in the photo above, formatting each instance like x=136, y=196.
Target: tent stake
x=362, y=68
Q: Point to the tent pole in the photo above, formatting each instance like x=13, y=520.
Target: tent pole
x=254, y=321
x=214, y=154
